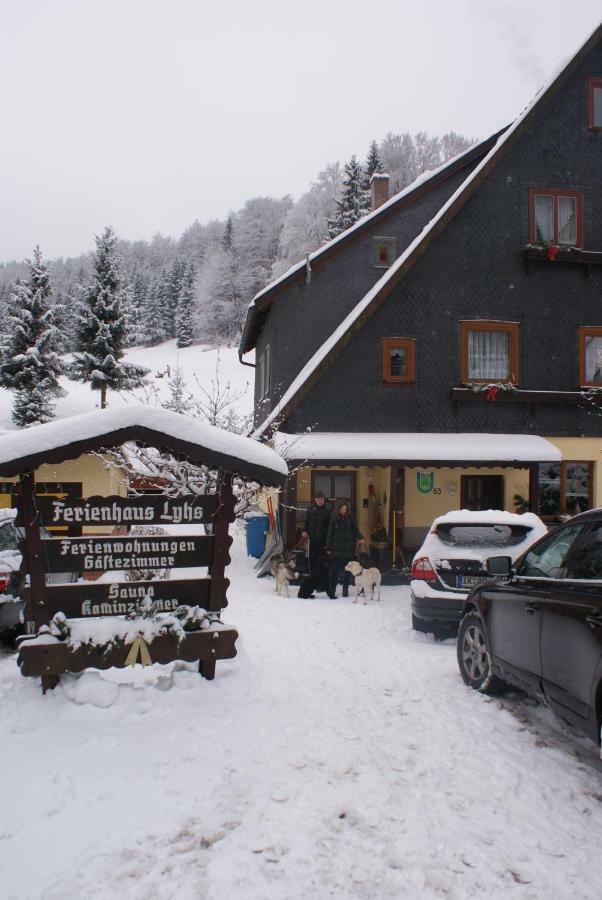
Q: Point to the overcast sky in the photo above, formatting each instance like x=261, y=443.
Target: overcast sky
x=149, y=114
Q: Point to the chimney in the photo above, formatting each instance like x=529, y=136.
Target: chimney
x=379, y=184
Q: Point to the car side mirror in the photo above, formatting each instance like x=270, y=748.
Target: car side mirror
x=500, y=566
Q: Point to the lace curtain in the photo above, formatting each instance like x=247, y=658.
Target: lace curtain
x=593, y=360
x=488, y=355
x=567, y=220
x=566, y=214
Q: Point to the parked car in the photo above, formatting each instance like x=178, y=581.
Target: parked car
x=12, y=605
x=452, y=559
x=538, y=625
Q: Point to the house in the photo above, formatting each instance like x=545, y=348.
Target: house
x=86, y=476
x=445, y=350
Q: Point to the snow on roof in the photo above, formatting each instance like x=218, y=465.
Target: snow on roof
x=64, y=438
x=367, y=299
x=365, y=446
x=421, y=179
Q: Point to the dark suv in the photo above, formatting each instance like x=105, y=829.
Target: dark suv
x=538, y=626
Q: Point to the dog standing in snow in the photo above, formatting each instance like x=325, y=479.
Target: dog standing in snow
x=365, y=580
x=282, y=568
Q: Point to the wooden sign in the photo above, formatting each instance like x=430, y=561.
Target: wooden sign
x=52, y=659
x=119, y=598
x=143, y=510
x=128, y=553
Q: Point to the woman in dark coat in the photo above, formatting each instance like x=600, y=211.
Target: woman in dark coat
x=341, y=541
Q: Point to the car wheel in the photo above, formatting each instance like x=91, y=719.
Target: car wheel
x=474, y=658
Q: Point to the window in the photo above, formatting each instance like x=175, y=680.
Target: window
x=555, y=217
x=337, y=486
x=263, y=374
x=547, y=559
x=383, y=252
x=489, y=352
x=590, y=357
x=595, y=103
x=482, y=491
x=564, y=488
x=398, y=360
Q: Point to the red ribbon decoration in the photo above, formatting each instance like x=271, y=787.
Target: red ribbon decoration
x=552, y=253
x=491, y=393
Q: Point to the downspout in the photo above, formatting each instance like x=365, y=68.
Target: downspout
x=243, y=363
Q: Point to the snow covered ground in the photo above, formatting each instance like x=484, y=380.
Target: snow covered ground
x=199, y=361
x=338, y=756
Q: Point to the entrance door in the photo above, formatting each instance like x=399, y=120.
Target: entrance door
x=482, y=492
x=337, y=486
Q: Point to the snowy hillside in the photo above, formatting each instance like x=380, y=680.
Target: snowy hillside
x=198, y=361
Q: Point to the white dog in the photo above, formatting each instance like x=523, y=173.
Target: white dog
x=365, y=580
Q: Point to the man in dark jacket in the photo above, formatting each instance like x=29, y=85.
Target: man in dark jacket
x=316, y=527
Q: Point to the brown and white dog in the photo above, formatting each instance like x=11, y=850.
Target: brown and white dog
x=365, y=580
x=282, y=567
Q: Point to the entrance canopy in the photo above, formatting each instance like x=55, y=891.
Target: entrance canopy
x=62, y=439
x=419, y=449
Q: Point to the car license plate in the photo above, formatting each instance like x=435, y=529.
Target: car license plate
x=468, y=580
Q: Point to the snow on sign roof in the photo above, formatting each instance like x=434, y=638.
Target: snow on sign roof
x=416, y=447
x=68, y=438
x=369, y=302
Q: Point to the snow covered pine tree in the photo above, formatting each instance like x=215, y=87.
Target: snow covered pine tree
x=102, y=329
x=352, y=205
x=184, y=322
x=32, y=364
x=372, y=165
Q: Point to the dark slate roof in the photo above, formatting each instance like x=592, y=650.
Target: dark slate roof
x=260, y=305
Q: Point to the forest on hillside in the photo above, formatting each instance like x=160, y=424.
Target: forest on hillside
x=211, y=272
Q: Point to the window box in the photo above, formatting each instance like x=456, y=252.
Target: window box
x=555, y=217
x=489, y=352
x=398, y=360
x=518, y=396
x=595, y=104
x=590, y=356
x=563, y=255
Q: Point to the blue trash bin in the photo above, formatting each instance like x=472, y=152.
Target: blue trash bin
x=256, y=526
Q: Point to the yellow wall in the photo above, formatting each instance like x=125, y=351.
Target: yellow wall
x=421, y=509
x=97, y=476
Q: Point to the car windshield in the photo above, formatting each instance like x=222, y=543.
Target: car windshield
x=8, y=537
x=494, y=535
